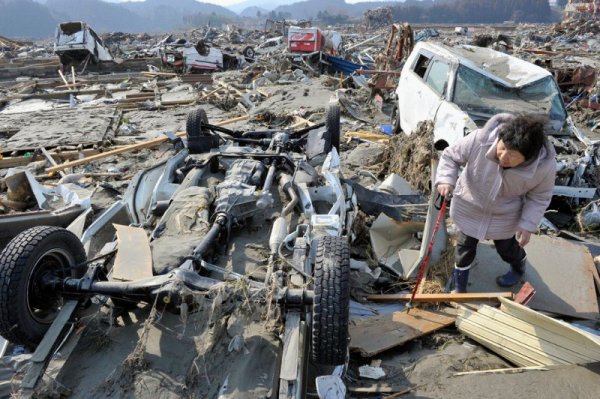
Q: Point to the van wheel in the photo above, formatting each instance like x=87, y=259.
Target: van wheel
x=27, y=306
x=332, y=123
x=331, y=303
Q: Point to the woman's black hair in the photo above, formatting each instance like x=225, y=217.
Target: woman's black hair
x=525, y=133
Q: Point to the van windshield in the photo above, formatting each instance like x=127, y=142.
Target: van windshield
x=477, y=93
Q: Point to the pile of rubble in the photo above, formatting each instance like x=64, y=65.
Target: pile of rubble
x=77, y=148
x=378, y=17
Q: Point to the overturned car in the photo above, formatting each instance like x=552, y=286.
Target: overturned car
x=183, y=56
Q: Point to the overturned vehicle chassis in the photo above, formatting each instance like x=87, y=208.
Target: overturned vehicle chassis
x=44, y=268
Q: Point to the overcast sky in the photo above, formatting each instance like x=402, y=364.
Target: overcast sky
x=231, y=2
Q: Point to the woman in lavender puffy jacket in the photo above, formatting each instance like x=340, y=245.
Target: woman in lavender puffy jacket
x=502, y=192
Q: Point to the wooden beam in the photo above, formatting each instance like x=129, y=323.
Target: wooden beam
x=435, y=298
x=50, y=159
x=133, y=147
x=299, y=121
x=11, y=162
x=64, y=79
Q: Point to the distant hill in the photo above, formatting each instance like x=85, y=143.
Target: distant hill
x=26, y=19
x=102, y=16
x=253, y=12
x=266, y=4
x=310, y=8
x=164, y=15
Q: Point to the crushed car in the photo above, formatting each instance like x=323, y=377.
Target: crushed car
x=459, y=88
x=220, y=180
x=183, y=56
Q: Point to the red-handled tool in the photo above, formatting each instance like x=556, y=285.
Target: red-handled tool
x=445, y=202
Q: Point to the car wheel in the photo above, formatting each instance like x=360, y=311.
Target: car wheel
x=194, y=122
x=27, y=307
x=248, y=52
x=331, y=301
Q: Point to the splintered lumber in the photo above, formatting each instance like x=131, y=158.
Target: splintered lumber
x=299, y=121
x=377, y=334
x=134, y=257
x=64, y=79
x=435, y=298
x=367, y=135
x=133, y=147
x=527, y=338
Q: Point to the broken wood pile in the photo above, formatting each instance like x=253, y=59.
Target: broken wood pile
x=9, y=44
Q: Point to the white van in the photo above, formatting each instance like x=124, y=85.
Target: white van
x=459, y=88
x=76, y=41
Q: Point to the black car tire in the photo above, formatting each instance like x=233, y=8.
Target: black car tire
x=193, y=125
x=27, y=308
x=331, y=303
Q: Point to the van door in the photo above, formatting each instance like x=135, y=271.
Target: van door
x=422, y=90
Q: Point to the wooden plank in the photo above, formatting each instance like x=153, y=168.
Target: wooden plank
x=435, y=298
x=377, y=334
x=134, y=257
x=299, y=121
x=513, y=370
x=51, y=160
x=230, y=87
x=134, y=147
x=10, y=162
x=372, y=389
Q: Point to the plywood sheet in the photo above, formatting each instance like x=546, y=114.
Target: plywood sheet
x=377, y=334
x=559, y=270
x=134, y=258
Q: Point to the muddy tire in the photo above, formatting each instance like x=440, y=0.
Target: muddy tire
x=27, y=309
x=331, y=301
x=332, y=123
x=249, y=52
x=193, y=124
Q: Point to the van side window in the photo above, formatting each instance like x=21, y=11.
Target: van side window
x=437, y=78
x=421, y=65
